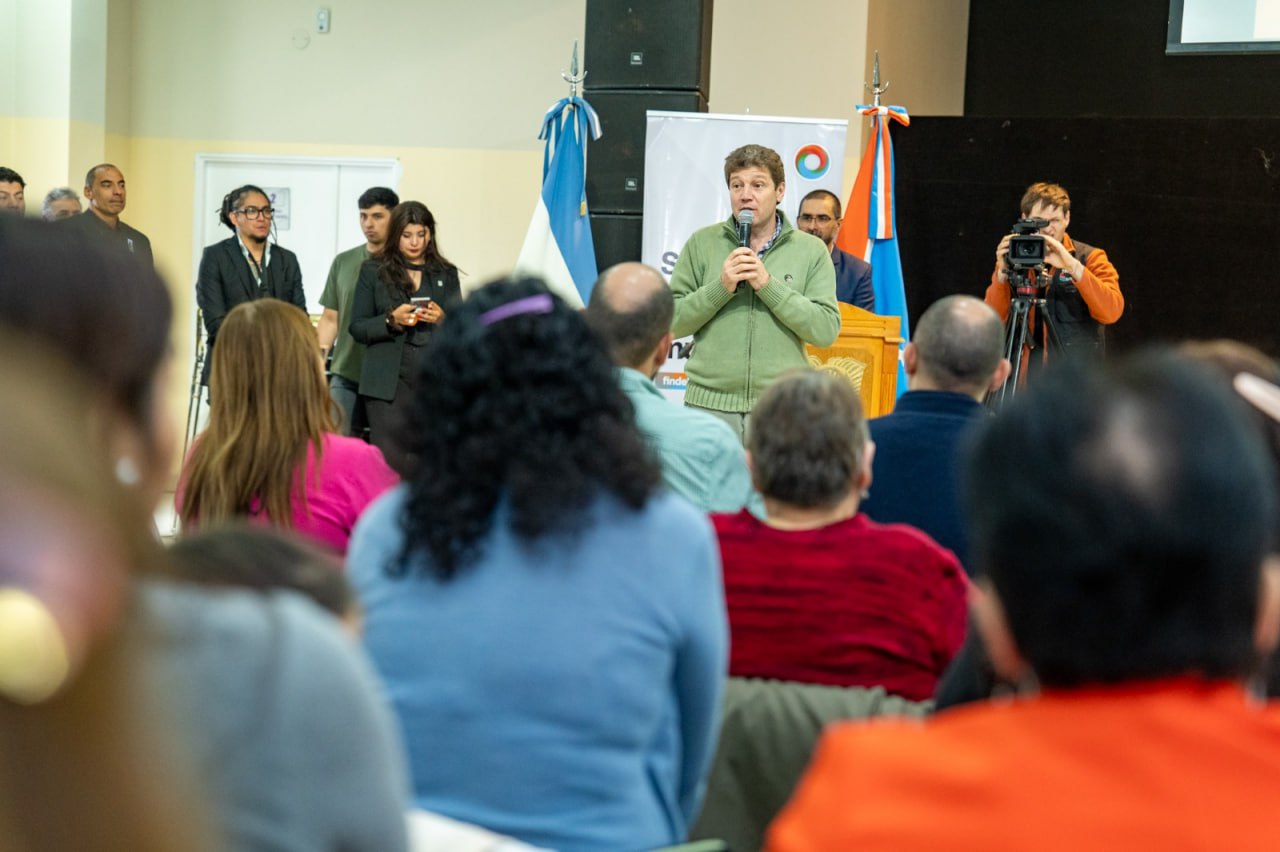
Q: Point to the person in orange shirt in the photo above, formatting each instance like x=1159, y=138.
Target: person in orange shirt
x=1081, y=287
x=1123, y=515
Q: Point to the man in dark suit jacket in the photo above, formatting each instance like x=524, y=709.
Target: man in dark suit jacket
x=105, y=189
x=954, y=358
x=820, y=215
x=244, y=266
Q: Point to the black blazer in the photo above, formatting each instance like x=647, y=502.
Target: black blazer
x=383, y=347
x=225, y=281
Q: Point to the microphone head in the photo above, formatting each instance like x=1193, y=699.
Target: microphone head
x=746, y=217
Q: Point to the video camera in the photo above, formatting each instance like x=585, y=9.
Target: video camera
x=1026, y=248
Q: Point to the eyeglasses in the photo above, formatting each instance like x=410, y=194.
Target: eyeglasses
x=821, y=218
x=255, y=212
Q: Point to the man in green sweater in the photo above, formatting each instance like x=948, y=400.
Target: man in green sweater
x=751, y=309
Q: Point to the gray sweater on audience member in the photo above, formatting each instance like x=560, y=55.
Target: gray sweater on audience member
x=281, y=716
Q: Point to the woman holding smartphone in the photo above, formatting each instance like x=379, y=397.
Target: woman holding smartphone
x=401, y=297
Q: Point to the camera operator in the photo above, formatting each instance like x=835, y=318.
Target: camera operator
x=1080, y=287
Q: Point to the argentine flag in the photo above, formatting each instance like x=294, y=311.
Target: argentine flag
x=869, y=228
x=558, y=246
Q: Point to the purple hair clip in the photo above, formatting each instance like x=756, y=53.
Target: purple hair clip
x=539, y=304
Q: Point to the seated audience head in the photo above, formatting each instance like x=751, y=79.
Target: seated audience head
x=65, y=546
x=631, y=308
x=61, y=202
x=71, y=535
x=1101, y=501
x=491, y=422
x=242, y=555
x=272, y=402
x=957, y=346
x=108, y=316
x=12, y=191
x=1229, y=358
x=807, y=443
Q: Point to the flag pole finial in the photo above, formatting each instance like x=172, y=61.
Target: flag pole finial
x=573, y=78
x=876, y=89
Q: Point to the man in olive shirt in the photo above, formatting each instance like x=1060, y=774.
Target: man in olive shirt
x=339, y=291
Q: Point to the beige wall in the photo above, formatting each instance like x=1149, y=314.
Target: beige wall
x=803, y=60
x=922, y=46
x=52, y=90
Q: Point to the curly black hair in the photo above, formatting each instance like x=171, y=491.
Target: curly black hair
x=525, y=409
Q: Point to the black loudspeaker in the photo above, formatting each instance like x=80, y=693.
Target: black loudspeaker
x=615, y=161
x=617, y=238
x=653, y=44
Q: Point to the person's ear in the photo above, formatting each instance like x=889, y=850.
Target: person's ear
x=910, y=359
x=862, y=478
x=661, y=352
x=1266, y=630
x=1001, y=374
x=993, y=626
x=751, y=469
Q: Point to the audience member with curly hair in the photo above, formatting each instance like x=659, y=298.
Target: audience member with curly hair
x=271, y=450
x=548, y=623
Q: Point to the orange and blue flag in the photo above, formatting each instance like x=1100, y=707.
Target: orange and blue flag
x=869, y=229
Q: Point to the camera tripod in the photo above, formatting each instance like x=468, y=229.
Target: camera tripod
x=1017, y=331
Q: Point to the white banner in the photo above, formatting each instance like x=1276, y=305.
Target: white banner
x=684, y=185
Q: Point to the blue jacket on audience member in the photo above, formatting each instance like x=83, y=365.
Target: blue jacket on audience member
x=702, y=459
x=565, y=692
x=916, y=466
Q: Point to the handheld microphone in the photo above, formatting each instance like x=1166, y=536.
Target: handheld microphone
x=746, y=218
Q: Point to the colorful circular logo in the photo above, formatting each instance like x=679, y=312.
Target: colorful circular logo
x=812, y=162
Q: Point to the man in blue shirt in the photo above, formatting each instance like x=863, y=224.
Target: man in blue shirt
x=954, y=358
x=820, y=215
x=631, y=308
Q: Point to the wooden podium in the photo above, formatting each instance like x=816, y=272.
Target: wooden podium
x=865, y=353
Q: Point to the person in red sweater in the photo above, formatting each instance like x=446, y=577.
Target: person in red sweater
x=1123, y=516
x=817, y=592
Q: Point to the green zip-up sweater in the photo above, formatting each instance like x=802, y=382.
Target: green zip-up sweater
x=745, y=340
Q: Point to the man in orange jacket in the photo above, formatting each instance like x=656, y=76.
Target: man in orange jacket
x=1123, y=514
x=1081, y=287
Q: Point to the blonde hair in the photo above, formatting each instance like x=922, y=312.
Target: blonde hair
x=268, y=402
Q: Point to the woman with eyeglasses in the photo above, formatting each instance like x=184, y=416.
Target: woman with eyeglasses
x=402, y=297
x=245, y=266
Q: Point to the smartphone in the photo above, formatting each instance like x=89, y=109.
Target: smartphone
x=420, y=302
